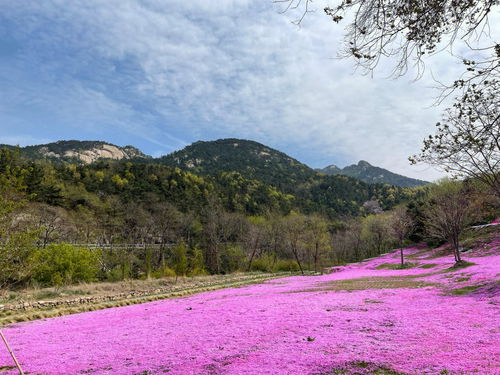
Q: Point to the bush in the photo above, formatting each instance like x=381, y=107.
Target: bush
x=287, y=265
x=231, y=259
x=264, y=263
x=179, y=259
x=197, y=263
x=59, y=264
x=164, y=272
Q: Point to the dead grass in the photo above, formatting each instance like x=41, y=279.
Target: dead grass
x=126, y=286
x=361, y=368
x=396, y=266
x=364, y=283
x=182, y=288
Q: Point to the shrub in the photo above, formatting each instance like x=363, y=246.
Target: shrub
x=197, y=263
x=232, y=258
x=179, y=259
x=287, y=265
x=59, y=264
x=264, y=263
x=163, y=272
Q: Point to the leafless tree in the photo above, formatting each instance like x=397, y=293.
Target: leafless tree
x=405, y=30
x=467, y=143
x=448, y=213
x=402, y=226
x=294, y=228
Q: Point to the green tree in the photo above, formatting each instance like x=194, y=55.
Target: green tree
x=376, y=234
x=317, y=240
x=180, y=260
x=196, y=263
x=60, y=264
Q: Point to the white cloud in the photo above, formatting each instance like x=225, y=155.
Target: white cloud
x=242, y=69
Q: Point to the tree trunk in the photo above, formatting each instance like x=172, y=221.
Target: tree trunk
x=457, y=253
x=251, y=259
x=295, y=253
x=316, y=253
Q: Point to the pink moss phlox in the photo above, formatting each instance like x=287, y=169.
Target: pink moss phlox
x=288, y=326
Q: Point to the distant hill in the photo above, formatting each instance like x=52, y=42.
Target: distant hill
x=247, y=176
x=79, y=152
x=251, y=159
x=366, y=172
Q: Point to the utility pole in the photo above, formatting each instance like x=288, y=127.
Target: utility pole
x=21, y=372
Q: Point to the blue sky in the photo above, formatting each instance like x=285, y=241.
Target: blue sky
x=160, y=75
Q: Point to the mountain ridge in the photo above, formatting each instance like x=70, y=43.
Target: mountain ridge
x=250, y=158
x=368, y=173
x=79, y=152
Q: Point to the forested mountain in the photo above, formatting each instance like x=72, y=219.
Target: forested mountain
x=225, y=219
x=79, y=152
x=252, y=159
x=146, y=181
x=243, y=176
x=366, y=172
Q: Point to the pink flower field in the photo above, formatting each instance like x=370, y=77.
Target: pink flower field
x=361, y=319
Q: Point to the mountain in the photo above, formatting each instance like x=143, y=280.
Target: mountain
x=330, y=170
x=246, y=177
x=366, y=172
x=79, y=152
x=252, y=159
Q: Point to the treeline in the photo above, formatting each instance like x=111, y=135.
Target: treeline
x=62, y=223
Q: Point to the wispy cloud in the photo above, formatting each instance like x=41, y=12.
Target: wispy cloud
x=163, y=74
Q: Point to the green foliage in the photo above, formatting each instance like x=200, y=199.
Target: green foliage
x=253, y=160
x=59, y=264
x=264, y=263
x=377, y=234
x=232, y=258
x=17, y=257
x=197, y=263
x=180, y=259
x=164, y=272
x=222, y=219
x=286, y=265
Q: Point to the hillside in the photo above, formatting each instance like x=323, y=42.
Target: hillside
x=79, y=152
x=247, y=176
x=252, y=159
x=366, y=172
x=364, y=318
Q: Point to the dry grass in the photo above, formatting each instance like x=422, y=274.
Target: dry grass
x=126, y=286
x=364, y=283
x=155, y=289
